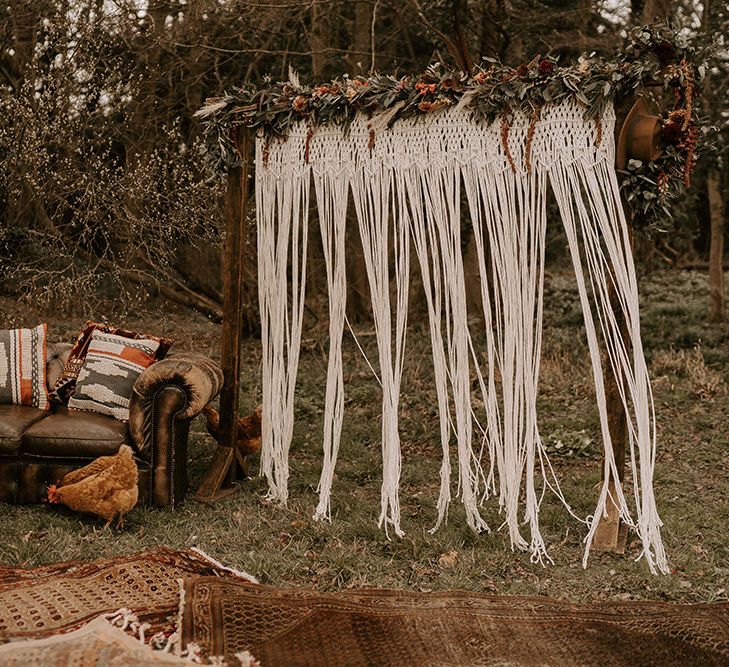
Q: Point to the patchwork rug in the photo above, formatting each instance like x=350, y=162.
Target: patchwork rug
x=97, y=643
x=62, y=597
x=383, y=627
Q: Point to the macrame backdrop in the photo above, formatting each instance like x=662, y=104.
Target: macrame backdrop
x=405, y=182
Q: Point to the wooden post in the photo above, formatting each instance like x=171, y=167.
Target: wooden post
x=612, y=534
x=228, y=466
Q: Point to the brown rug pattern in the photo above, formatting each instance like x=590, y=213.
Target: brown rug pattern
x=62, y=597
x=384, y=627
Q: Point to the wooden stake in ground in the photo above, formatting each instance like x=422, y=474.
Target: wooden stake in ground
x=639, y=138
x=229, y=465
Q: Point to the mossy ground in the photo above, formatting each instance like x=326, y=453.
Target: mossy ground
x=283, y=546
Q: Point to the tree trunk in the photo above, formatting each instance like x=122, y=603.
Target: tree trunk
x=717, y=294
x=319, y=38
x=359, y=62
x=655, y=10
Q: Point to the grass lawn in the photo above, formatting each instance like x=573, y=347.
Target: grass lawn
x=283, y=546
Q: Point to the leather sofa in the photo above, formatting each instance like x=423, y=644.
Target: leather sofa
x=39, y=447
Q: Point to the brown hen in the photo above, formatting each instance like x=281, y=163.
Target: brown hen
x=107, y=487
x=248, y=438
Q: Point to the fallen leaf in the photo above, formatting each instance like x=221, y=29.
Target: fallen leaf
x=449, y=559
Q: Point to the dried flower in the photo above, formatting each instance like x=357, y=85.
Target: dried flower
x=530, y=139
x=546, y=67
x=662, y=182
x=425, y=88
x=433, y=106
x=300, y=103
x=480, y=78
x=505, y=127
x=689, y=147
x=598, y=130
x=672, y=134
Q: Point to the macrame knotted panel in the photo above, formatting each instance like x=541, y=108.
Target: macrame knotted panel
x=406, y=182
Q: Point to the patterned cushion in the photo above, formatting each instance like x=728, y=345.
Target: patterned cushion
x=112, y=366
x=23, y=367
x=66, y=383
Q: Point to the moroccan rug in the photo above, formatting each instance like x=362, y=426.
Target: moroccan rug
x=369, y=627
x=62, y=597
x=96, y=644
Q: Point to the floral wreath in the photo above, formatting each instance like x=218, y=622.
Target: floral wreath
x=656, y=56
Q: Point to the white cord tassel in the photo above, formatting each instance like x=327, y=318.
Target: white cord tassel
x=441, y=186
x=589, y=201
x=425, y=240
x=282, y=211
x=380, y=208
x=332, y=190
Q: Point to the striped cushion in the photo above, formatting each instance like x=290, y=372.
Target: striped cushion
x=112, y=366
x=23, y=367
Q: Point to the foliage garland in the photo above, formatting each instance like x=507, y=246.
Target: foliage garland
x=655, y=55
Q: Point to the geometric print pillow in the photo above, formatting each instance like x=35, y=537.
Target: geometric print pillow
x=112, y=366
x=66, y=383
x=23, y=367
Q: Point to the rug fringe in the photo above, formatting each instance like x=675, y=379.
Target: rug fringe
x=237, y=573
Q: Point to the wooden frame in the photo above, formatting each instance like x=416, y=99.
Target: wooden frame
x=229, y=465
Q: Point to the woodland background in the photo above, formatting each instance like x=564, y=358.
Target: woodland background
x=105, y=200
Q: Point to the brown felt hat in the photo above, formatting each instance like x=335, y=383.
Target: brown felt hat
x=640, y=137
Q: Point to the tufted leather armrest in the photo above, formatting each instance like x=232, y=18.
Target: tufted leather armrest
x=165, y=398
x=199, y=377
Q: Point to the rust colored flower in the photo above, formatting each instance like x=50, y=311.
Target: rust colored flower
x=480, y=78
x=300, y=103
x=546, y=67
x=433, y=106
x=662, y=182
x=322, y=90
x=425, y=88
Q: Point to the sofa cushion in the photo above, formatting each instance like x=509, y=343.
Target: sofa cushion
x=23, y=367
x=112, y=366
x=14, y=421
x=65, y=384
x=75, y=434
